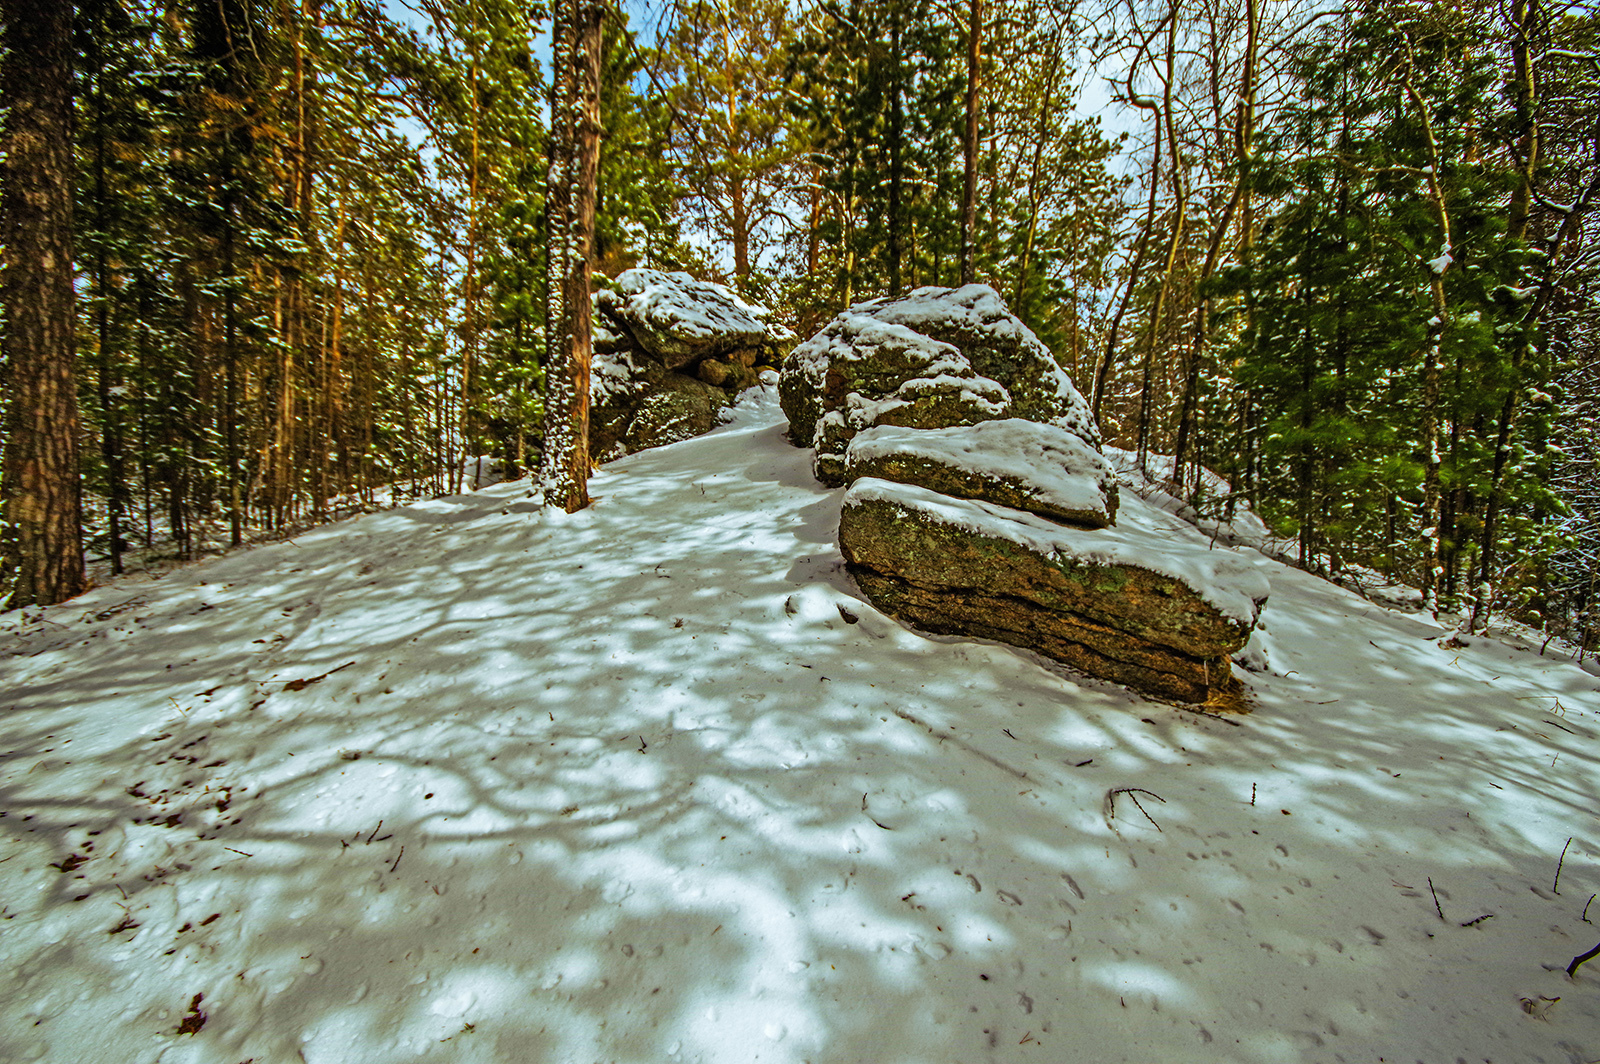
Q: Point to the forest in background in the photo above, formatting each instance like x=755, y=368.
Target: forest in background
x=1343, y=258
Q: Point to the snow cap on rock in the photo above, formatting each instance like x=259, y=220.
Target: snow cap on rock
x=679, y=319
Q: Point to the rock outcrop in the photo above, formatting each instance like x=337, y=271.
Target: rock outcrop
x=981, y=503
x=935, y=358
x=1102, y=601
x=671, y=354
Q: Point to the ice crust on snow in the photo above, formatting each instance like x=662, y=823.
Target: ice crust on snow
x=1058, y=466
x=1229, y=582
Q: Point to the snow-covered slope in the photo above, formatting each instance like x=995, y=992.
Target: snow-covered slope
x=468, y=781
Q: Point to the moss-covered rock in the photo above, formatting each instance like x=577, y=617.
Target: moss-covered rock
x=671, y=354
x=1164, y=626
x=648, y=405
x=931, y=359
x=1042, y=469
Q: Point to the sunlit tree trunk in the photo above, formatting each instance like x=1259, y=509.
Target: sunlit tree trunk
x=570, y=205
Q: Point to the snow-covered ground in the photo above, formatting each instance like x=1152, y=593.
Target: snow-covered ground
x=469, y=781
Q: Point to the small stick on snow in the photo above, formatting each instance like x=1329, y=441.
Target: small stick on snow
x=301, y=685
x=1252, y=794
x=1132, y=792
x=1436, y=906
x=1572, y=968
x=1478, y=920
x=397, y=857
x=1557, y=883
x=1585, y=916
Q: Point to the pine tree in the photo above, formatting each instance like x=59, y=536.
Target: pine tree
x=1373, y=347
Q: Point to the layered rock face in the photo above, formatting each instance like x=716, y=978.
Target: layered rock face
x=981, y=504
x=1103, y=601
x=671, y=353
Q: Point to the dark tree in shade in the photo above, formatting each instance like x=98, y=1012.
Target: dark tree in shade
x=43, y=557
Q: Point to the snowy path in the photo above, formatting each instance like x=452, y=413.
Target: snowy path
x=466, y=782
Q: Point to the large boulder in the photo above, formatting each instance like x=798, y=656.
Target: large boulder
x=1160, y=620
x=639, y=404
x=1043, y=469
x=671, y=354
x=678, y=320
x=936, y=358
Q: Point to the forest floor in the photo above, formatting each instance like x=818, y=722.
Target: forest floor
x=471, y=781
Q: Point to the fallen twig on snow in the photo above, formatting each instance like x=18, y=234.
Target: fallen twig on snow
x=301, y=685
x=1554, y=886
x=944, y=736
x=1133, y=793
x=1572, y=969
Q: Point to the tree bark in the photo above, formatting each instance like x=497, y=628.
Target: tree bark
x=574, y=166
x=896, y=149
x=969, y=147
x=41, y=485
x=1524, y=90
x=107, y=378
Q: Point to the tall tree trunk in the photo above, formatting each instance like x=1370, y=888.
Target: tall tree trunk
x=1524, y=95
x=230, y=350
x=107, y=377
x=1243, y=139
x=470, y=294
x=1430, y=362
x=43, y=494
x=574, y=164
x=1524, y=90
x=1102, y=381
x=1180, y=203
x=739, y=219
x=969, y=144
x=1030, y=234
x=896, y=149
